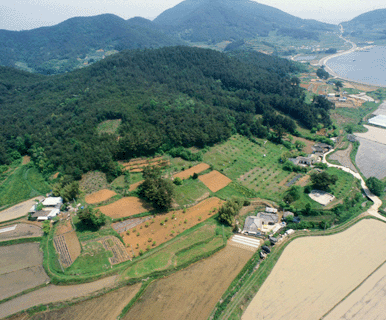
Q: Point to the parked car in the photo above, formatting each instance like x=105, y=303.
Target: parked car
x=266, y=249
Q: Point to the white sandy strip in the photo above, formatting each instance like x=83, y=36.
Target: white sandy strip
x=366, y=302
x=314, y=273
x=374, y=134
x=8, y=229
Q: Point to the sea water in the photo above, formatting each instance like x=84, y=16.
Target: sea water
x=362, y=66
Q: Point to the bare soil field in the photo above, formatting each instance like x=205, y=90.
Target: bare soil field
x=19, y=210
x=26, y=160
x=125, y=207
x=215, y=181
x=309, y=144
x=68, y=247
x=374, y=134
x=191, y=293
x=303, y=181
x=137, y=165
x=158, y=231
x=99, y=196
x=20, y=269
x=189, y=172
x=105, y=307
x=52, y=293
x=135, y=185
x=64, y=227
x=366, y=302
x=371, y=158
x=22, y=230
x=343, y=157
x=313, y=274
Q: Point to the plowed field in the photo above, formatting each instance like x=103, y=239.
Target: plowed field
x=193, y=292
x=106, y=307
x=125, y=207
x=189, y=172
x=313, y=274
x=20, y=269
x=135, y=185
x=99, y=196
x=215, y=181
x=22, y=230
x=160, y=233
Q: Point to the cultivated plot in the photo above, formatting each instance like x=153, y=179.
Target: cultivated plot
x=313, y=274
x=20, y=230
x=371, y=158
x=125, y=207
x=105, y=307
x=99, y=196
x=374, y=134
x=189, y=172
x=191, y=293
x=20, y=269
x=18, y=210
x=215, y=181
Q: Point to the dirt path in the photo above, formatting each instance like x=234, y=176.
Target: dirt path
x=52, y=294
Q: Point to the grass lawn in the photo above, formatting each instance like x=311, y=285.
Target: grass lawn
x=24, y=183
x=189, y=191
x=109, y=126
x=255, y=166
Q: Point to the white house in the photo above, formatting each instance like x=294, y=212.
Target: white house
x=55, y=202
x=270, y=210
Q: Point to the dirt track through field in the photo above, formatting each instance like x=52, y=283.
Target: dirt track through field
x=105, y=307
x=191, y=293
x=313, y=274
x=52, y=294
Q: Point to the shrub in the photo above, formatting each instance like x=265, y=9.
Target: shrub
x=128, y=232
x=140, y=252
x=147, y=224
x=186, y=221
x=154, y=243
x=149, y=240
x=137, y=234
x=177, y=181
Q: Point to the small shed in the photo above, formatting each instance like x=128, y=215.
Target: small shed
x=270, y=210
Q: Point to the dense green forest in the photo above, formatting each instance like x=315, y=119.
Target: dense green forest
x=169, y=97
x=70, y=44
x=214, y=21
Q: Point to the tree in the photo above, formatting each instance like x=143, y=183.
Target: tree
x=229, y=210
x=157, y=190
x=339, y=85
x=375, y=185
x=292, y=194
x=91, y=218
x=46, y=227
x=299, y=145
x=323, y=180
x=322, y=74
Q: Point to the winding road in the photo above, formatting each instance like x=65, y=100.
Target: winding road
x=373, y=210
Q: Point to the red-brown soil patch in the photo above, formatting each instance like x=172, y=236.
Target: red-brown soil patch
x=191, y=293
x=196, y=169
x=215, y=181
x=304, y=85
x=107, y=306
x=26, y=160
x=125, y=207
x=309, y=144
x=55, y=176
x=135, y=185
x=303, y=181
x=63, y=227
x=177, y=222
x=137, y=165
x=99, y=196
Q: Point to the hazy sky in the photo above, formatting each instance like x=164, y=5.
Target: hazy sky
x=29, y=14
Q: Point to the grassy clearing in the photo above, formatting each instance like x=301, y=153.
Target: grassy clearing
x=255, y=166
x=109, y=126
x=190, y=191
x=24, y=183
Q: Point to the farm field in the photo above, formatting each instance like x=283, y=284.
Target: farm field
x=105, y=307
x=189, y=172
x=374, y=134
x=190, y=192
x=191, y=293
x=366, y=302
x=20, y=269
x=255, y=166
x=135, y=185
x=125, y=207
x=164, y=227
x=24, y=183
x=99, y=196
x=68, y=248
x=137, y=165
x=52, y=293
x=18, y=210
x=343, y=157
x=215, y=181
x=371, y=158
x=330, y=268
x=22, y=230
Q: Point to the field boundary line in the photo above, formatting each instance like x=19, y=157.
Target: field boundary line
x=328, y=312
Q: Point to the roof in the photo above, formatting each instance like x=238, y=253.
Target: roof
x=268, y=217
x=269, y=209
x=41, y=213
x=52, y=201
x=54, y=213
x=252, y=225
x=378, y=121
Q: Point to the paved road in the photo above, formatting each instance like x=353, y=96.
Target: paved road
x=373, y=210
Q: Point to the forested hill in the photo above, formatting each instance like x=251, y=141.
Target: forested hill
x=76, y=41
x=218, y=20
x=175, y=96
x=368, y=26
